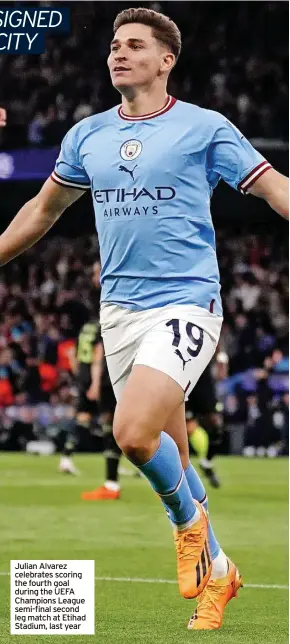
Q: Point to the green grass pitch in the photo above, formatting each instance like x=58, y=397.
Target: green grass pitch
x=42, y=516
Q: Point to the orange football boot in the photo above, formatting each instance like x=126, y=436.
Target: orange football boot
x=193, y=556
x=101, y=494
x=211, y=604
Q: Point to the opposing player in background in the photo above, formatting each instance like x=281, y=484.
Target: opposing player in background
x=95, y=400
x=204, y=421
x=87, y=366
x=152, y=164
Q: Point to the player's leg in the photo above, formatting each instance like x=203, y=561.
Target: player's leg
x=204, y=444
x=202, y=417
x=225, y=579
x=110, y=490
x=147, y=402
x=180, y=348
x=112, y=453
x=176, y=428
x=80, y=428
x=213, y=424
x=80, y=431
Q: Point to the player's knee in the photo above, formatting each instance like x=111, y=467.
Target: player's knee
x=125, y=436
x=132, y=439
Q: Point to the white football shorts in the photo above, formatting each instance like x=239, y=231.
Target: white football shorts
x=178, y=340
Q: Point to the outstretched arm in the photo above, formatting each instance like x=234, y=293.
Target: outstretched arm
x=35, y=218
x=274, y=188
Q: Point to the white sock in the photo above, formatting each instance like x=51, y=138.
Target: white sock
x=112, y=485
x=196, y=516
x=184, y=526
x=219, y=566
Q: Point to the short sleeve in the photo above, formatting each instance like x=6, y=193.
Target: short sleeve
x=232, y=158
x=68, y=170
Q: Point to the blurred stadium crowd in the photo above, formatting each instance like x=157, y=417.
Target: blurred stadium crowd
x=242, y=72
x=46, y=296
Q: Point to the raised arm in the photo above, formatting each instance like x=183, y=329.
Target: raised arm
x=274, y=188
x=35, y=218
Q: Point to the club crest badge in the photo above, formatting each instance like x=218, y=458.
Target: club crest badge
x=130, y=150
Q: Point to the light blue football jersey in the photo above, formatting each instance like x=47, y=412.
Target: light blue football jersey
x=151, y=180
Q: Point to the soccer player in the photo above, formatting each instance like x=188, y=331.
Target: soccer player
x=96, y=398
x=111, y=489
x=152, y=164
x=86, y=363
x=205, y=424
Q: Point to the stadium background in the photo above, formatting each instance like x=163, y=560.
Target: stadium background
x=45, y=294
x=235, y=60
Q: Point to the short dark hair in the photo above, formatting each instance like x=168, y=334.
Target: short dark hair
x=163, y=28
